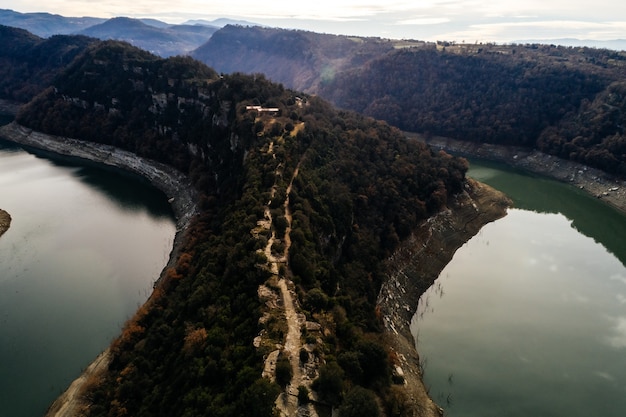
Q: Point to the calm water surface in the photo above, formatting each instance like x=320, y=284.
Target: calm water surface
x=81, y=255
x=529, y=318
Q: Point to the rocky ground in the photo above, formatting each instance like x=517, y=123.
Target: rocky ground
x=5, y=221
x=9, y=107
x=174, y=184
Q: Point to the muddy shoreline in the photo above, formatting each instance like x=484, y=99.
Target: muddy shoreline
x=172, y=183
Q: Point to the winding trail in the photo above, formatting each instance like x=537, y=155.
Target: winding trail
x=287, y=402
x=293, y=341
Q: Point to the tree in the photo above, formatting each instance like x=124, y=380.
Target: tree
x=284, y=371
x=329, y=385
x=359, y=402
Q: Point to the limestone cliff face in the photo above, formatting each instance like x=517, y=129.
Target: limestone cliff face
x=417, y=264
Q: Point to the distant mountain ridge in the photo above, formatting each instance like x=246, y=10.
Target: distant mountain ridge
x=153, y=35
x=46, y=24
x=616, y=44
x=164, y=41
x=299, y=59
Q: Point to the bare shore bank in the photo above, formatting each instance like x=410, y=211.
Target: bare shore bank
x=174, y=185
x=5, y=221
x=595, y=182
x=416, y=265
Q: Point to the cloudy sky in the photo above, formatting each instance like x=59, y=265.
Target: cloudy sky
x=451, y=20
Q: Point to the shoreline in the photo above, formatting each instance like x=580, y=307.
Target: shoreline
x=175, y=185
x=608, y=188
x=5, y=221
x=415, y=266
x=412, y=268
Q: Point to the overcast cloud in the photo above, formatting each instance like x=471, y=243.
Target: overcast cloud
x=451, y=20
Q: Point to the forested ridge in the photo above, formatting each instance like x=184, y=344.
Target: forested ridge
x=29, y=63
x=361, y=189
x=565, y=101
x=531, y=100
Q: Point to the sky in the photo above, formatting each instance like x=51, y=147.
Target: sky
x=467, y=21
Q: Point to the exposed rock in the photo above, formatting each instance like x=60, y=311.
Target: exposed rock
x=595, y=182
x=9, y=107
x=173, y=183
x=5, y=221
x=416, y=265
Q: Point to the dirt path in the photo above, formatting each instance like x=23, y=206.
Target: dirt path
x=278, y=264
x=5, y=221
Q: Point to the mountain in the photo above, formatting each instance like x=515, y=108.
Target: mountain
x=292, y=194
x=503, y=94
x=46, y=24
x=299, y=59
x=163, y=40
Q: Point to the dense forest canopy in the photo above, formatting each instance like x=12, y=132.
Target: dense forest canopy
x=536, y=96
x=29, y=63
x=494, y=98
x=360, y=190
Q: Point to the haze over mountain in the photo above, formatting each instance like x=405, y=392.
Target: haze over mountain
x=46, y=24
x=452, y=20
x=161, y=38
x=166, y=40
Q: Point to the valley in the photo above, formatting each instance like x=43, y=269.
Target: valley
x=306, y=229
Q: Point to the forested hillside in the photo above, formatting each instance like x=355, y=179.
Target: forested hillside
x=340, y=192
x=539, y=96
x=29, y=63
x=299, y=59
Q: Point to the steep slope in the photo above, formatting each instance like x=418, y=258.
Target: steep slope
x=298, y=59
x=522, y=95
x=595, y=134
x=340, y=191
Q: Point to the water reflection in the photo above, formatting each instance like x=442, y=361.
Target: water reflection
x=82, y=253
x=530, y=192
x=120, y=188
x=528, y=317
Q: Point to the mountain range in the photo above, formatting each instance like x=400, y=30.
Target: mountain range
x=152, y=35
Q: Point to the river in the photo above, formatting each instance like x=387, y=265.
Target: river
x=529, y=317
x=83, y=250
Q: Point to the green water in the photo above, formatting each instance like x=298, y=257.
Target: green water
x=529, y=318
x=82, y=253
